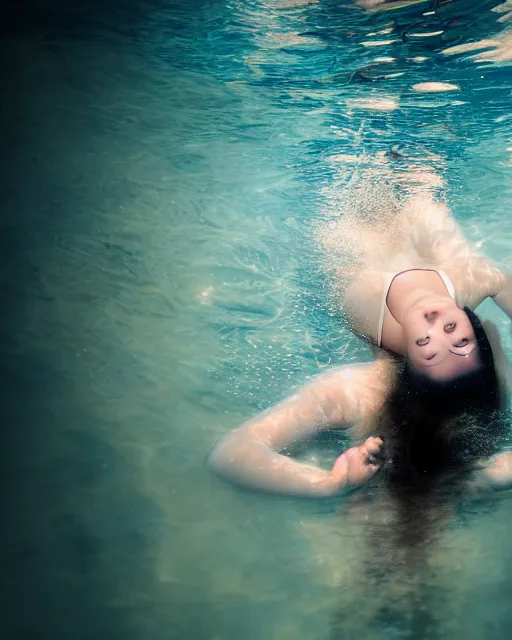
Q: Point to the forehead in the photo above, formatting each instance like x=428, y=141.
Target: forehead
x=453, y=366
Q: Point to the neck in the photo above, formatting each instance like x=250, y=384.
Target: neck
x=412, y=287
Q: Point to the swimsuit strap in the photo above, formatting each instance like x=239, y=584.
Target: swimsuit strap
x=447, y=283
x=384, y=306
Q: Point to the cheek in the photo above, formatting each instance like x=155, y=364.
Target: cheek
x=465, y=326
x=414, y=356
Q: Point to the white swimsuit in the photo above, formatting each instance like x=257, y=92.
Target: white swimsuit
x=447, y=283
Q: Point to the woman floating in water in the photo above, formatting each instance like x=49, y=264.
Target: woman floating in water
x=433, y=398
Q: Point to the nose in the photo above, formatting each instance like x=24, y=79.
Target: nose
x=430, y=316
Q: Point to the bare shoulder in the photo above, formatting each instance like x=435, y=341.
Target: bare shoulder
x=362, y=301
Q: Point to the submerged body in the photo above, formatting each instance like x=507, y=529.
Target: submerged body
x=401, y=281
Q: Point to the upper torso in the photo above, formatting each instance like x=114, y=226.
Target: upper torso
x=423, y=236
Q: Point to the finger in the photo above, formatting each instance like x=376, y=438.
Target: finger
x=372, y=445
x=369, y=471
x=372, y=468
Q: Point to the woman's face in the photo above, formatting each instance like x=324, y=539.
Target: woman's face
x=440, y=340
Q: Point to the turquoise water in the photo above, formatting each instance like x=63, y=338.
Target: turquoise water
x=163, y=171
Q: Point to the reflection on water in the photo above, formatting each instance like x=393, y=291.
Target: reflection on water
x=162, y=169
x=418, y=566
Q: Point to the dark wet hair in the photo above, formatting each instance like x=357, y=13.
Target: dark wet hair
x=429, y=426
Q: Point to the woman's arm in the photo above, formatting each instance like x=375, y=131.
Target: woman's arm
x=504, y=296
x=251, y=455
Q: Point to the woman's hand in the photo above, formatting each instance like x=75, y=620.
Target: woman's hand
x=498, y=474
x=492, y=475
x=356, y=465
